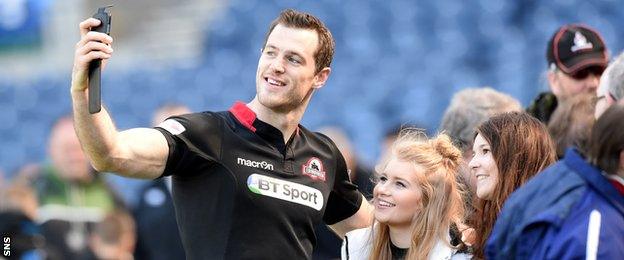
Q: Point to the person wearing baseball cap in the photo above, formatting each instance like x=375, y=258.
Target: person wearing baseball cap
x=577, y=56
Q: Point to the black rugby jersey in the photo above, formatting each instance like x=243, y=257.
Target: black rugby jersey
x=241, y=193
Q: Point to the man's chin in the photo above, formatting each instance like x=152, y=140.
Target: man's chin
x=277, y=105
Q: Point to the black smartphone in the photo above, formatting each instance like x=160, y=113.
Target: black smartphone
x=95, y=67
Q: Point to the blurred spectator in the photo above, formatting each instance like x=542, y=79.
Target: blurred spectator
x=572, y=210
x=114, y=237
x=18, y=210
x=576, y=56
x=509, y=149
x=468, y=109
x=27, y=174
x=71, y=195
x=157, y=230
x=571, y=123
x=19, y=198
x=611, y=87
x=155, y=209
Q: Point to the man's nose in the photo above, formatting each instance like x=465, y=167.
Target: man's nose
x=277, y=65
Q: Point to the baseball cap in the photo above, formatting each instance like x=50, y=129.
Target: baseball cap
x=575, y=47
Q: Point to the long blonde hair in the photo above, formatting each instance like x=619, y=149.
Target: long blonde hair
x=441, y=203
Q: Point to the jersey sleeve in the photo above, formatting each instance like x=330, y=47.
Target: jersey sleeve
x=344, y=199
x=192, y=139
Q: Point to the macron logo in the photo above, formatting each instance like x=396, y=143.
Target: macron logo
x=260, y=165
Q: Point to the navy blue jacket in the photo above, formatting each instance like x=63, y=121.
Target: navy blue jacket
x=568, y=211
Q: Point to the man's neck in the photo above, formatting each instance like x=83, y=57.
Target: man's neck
x=286, y=122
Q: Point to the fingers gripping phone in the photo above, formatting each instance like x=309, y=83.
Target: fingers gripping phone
x=95, y=70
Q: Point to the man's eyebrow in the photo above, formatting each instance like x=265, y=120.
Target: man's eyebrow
x=295, y=53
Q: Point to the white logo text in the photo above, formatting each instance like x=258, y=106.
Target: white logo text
x=285, y=190
x=260, y=165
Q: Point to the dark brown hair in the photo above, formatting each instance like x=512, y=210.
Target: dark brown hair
x=294, y=19
x=607, y=139
x=521, y=147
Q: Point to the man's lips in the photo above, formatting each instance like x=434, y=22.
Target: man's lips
x=274, y=81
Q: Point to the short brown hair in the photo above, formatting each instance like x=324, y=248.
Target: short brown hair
x=294, y=19
x=607, y=139
x=521, y=147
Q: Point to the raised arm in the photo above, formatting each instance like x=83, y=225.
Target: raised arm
x=136, y=153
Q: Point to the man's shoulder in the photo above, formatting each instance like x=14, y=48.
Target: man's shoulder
x=194, y=122
x=318, y=137
x=202, y=116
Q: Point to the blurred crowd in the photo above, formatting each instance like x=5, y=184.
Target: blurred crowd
x=63, y=209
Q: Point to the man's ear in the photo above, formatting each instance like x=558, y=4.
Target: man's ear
x=321, y=77
x=553, y=82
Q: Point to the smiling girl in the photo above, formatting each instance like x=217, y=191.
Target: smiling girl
x=416, y=202
x=509, y=149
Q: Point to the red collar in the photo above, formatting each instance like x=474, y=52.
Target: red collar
x=617, y=182
x=244, y=115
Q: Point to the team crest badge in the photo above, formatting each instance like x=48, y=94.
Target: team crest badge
x=314, y=169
